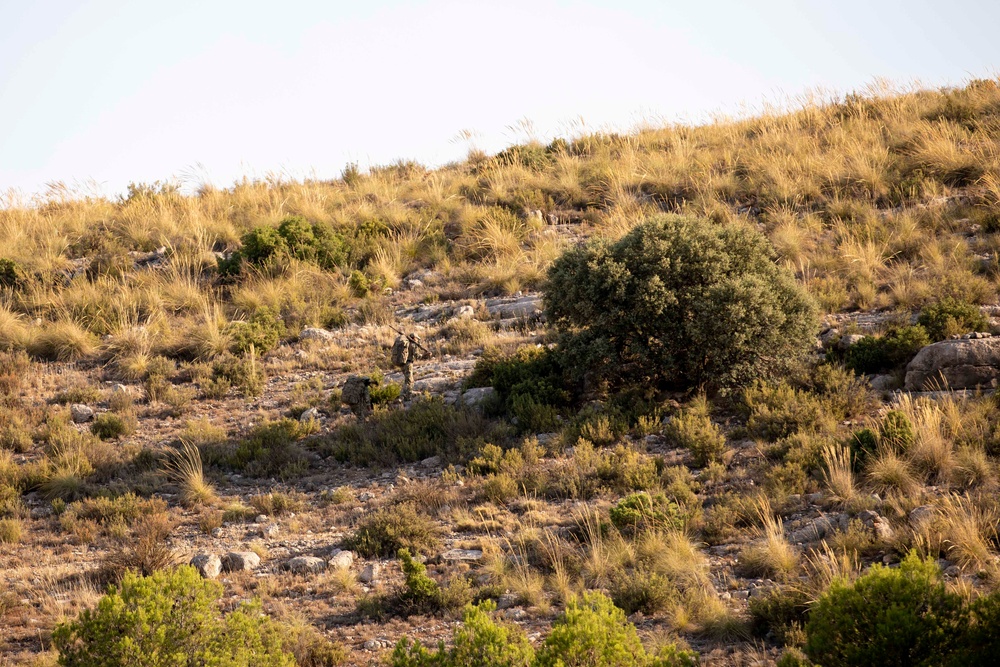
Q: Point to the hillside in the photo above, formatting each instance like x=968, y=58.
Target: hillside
x=172, y=367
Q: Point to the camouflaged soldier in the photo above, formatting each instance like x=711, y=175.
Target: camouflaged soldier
x=404, y=352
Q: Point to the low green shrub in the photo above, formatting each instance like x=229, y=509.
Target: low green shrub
x=776, y=411
x=109, y=425
x=949, y=317
x=641, y=511
x=245, y=373
x=11, y=531
x=271, y=449
x=782, y=612
x=382, y=391
x=420, y=594
x=294, y=237
x=694, y=430
x=642, y=590
x=530, y=385
x=387, y=530
x=901, y=616
x=260, y=332
x=170, y=619
x=593, y=632
x=479, y=642
x=428, y=427
x=892, y=350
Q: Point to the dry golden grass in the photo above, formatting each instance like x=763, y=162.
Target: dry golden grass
x=184, y=467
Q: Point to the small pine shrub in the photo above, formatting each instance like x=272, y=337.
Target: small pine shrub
x=245, y=373
x=949, y=317
x=892, y=350
x=480, y=642
x=420, y=594
x=359, y=284
x=863, y=445
x=11, y=274
x=896, y=431
x=110, y=425
x=640, y=511
x=776, y=411
x=11, y=531
x=271, y=449
x=593, y=632
x=169, y=619
x=694, y=430
x=644, y=591
x=260, y=332
x=429, y=427
x=387, y=530
x=530, y=385
x=902, y=616
x=382, y=391
x=781, y=612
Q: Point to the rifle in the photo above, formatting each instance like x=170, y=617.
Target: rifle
x=410, y=337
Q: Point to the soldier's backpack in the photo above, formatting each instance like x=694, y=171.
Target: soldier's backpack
x=399, y=351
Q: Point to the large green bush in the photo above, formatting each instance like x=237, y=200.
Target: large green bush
x=681, y=303
x=901, y=616
x=169, y=619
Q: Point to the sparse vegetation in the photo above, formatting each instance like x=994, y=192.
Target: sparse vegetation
x=658, y=434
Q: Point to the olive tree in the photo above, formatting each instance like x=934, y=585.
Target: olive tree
x=678, y=303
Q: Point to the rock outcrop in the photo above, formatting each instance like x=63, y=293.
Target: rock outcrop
x=964, y=363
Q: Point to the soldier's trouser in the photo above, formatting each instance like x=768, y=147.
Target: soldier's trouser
x=407, y=381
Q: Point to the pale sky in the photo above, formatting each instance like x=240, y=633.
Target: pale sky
x=115, y=91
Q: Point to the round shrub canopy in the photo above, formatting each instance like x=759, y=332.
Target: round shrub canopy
x=679, y=303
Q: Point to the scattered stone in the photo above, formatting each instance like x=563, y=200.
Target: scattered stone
x=849, y=341
x=305, y=565
x=477, y=395
x=208, y=565
x=814, y=530
x=882, y=382
x=370, y=573
x=506, y=601
x=952, y=571
x=314, y=333
x=431, y=462
x=240, y=561
x=465, y=312
x=741, y=595
x=462, y=555
x=270, y=531
x=312, y=414
x=81, y=413
x=525, y=306
x=829, y=337
x=515, y=614
x=878, y=524
x=341, y=560
x=375, y=644
x=921, y=517
x=119, y=388
x=965, y=363
x=261, y=518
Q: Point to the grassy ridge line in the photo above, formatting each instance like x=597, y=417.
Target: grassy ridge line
x=878, y=200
